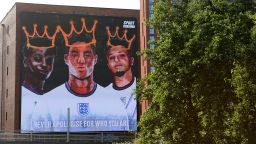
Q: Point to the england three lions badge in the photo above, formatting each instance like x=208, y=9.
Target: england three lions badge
x=83, y=108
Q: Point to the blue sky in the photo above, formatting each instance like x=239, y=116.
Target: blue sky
x=6, y=5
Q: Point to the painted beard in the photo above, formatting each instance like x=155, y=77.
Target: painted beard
x=120, y=72
x=84, y=78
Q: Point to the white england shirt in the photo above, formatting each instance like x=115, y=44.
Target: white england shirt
x=97, y=111
x=127, y=97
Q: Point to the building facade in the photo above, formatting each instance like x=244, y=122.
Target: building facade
x=147, y=34
x=11, y=52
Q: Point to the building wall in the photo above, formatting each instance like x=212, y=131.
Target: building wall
x=2, y=37
x=10, y=53
x=144, y=38
x=8, y=70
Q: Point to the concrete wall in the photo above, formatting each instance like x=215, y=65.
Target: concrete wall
x=2, y=45
x=8, y=70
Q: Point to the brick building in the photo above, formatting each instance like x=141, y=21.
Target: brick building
x=10, y=53
x=147, y=34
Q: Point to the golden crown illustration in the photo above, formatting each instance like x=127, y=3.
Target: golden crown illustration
x=116, y=35
x=35, y=34
x=78, y=32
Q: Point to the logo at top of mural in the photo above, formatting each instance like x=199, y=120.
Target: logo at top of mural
x=129, y=24
x=81, y=63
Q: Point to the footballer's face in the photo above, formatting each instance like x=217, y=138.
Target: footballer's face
x=80, y=60
x=119, y=60
x=40, y=62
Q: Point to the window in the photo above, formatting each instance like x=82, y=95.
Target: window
x=7, y=30
x=142, y=29
x=145, y=42
x=151, y=7
x=7, y=49
x=151, y=31
x=151, y=16
x=151, y=46
x=6, y=95
x=151, y=38
x=151, y=68
x=145, y=70
x=7, y=71
x=151, y=2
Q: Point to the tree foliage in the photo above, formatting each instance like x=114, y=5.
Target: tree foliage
x=203, y=87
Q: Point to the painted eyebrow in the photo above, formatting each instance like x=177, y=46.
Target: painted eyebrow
x=87, y=52
x=118, y=53
x=73, y=51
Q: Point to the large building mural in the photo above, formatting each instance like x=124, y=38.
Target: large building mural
x=78, y=73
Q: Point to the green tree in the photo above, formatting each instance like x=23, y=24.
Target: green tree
x=203, y=87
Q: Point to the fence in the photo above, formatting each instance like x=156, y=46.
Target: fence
x=14, y=137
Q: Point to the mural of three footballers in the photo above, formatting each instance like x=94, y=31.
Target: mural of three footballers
x=86, y=64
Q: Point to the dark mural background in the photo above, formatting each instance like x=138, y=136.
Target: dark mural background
x=59, y=75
